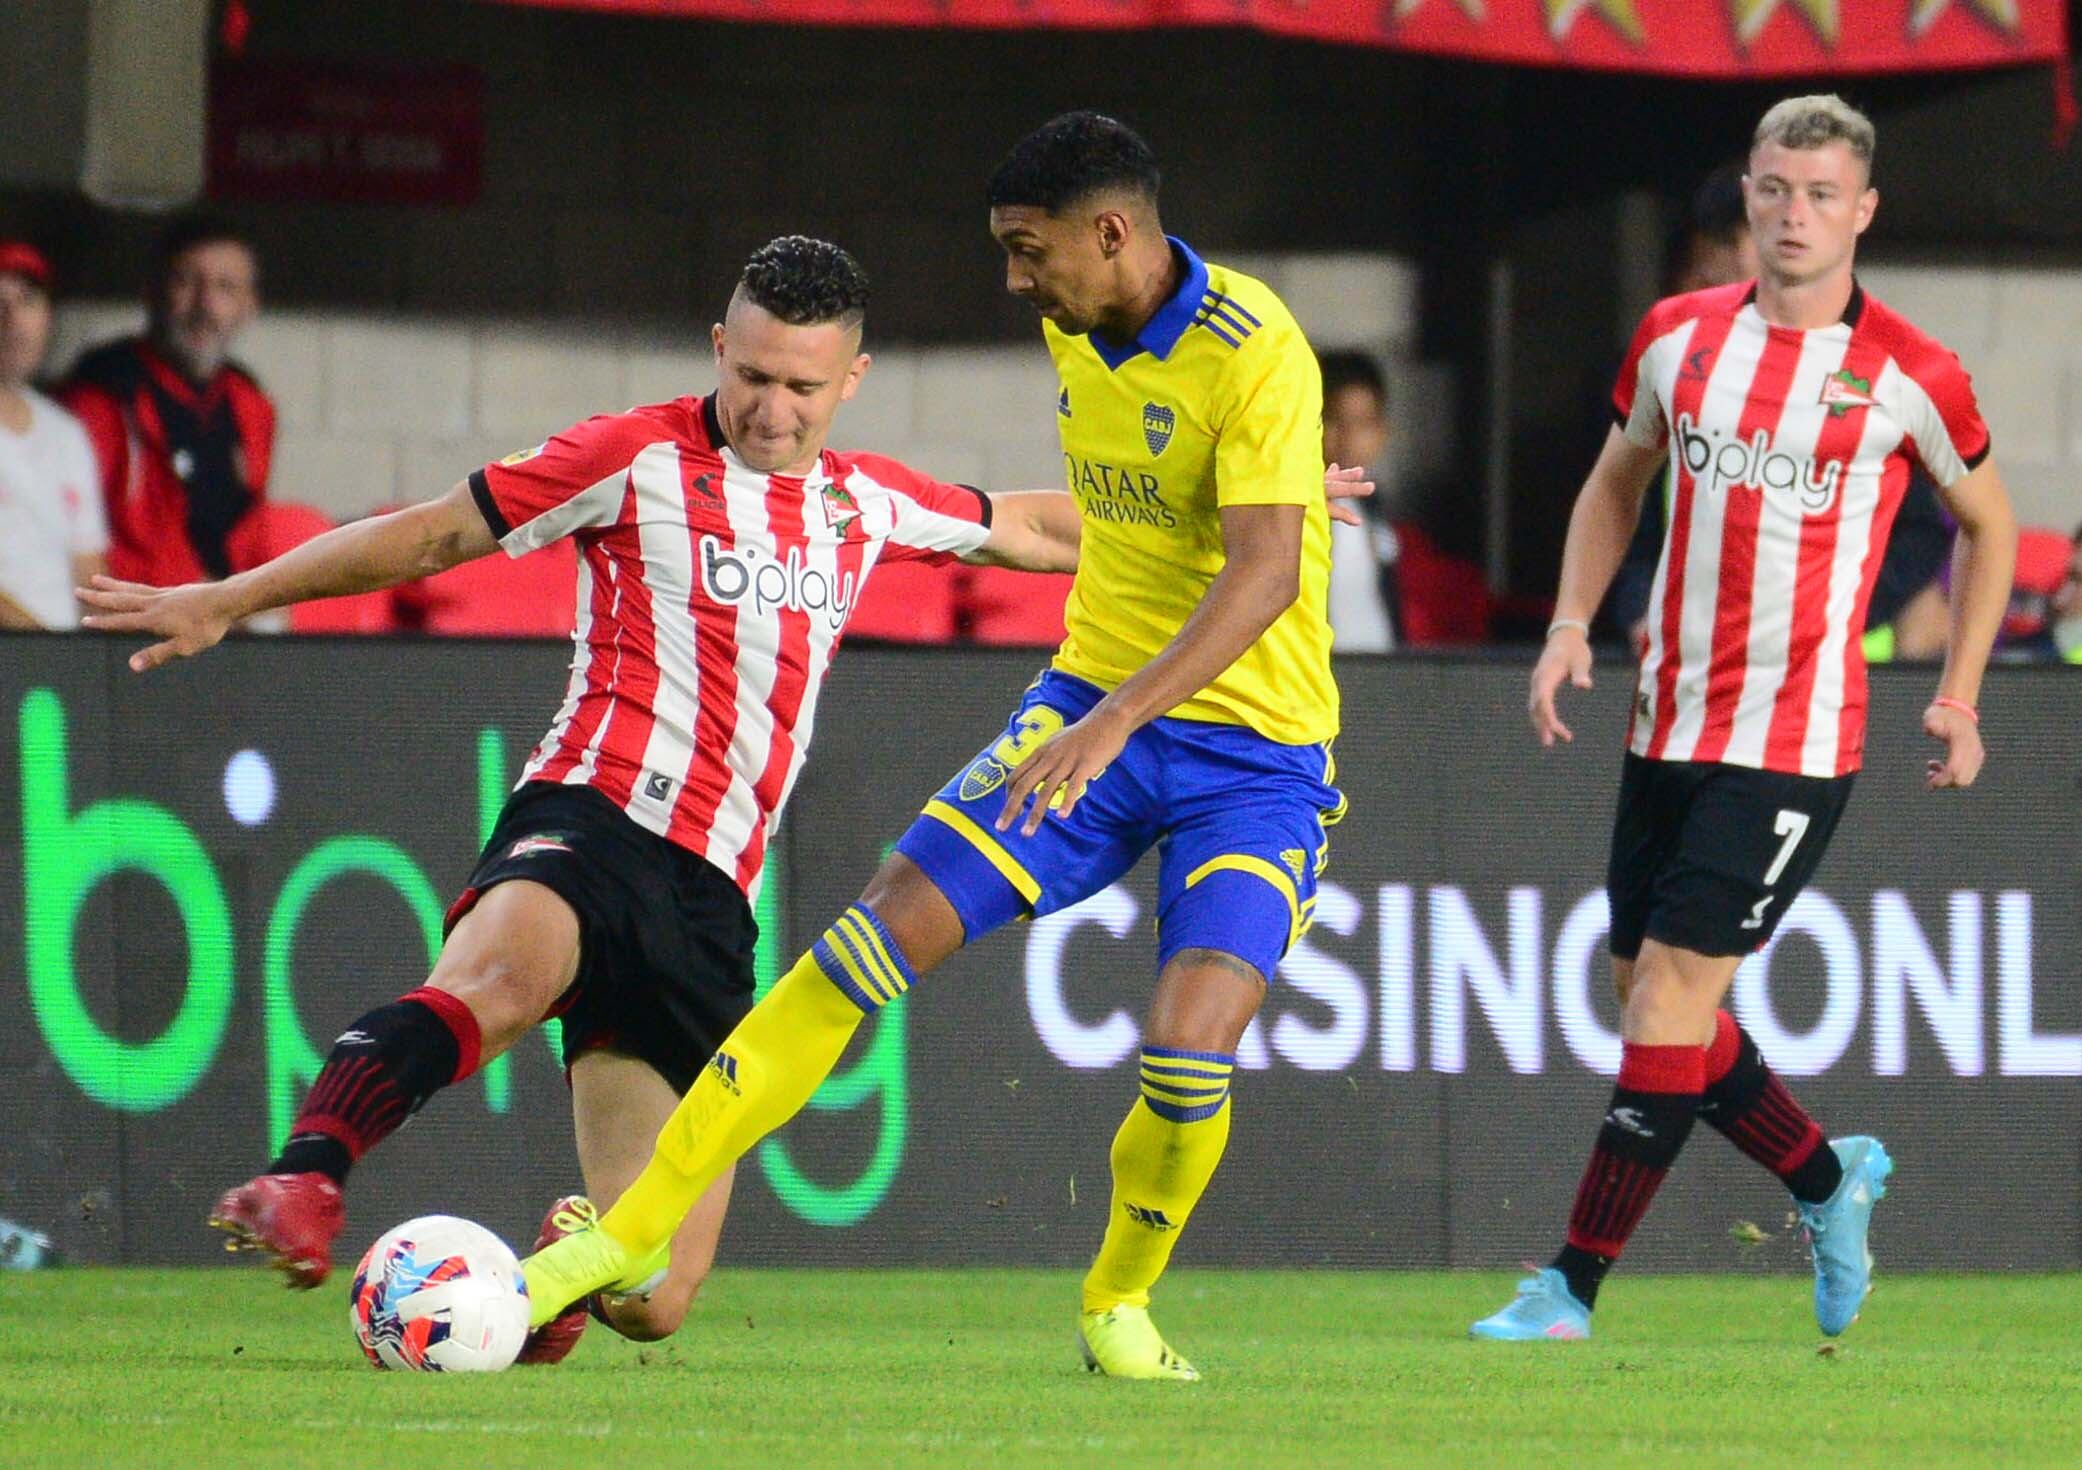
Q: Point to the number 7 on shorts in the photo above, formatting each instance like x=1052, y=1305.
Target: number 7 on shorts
x=1792, y=826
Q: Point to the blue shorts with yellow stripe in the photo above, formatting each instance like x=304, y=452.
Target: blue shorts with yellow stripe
x=1237, y=821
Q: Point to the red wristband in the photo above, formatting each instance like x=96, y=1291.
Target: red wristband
x=1945, y=701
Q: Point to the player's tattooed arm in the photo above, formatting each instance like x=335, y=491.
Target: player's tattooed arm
x=1983, y=567
x=362, y=556
x=1259, y=580
x=1601, y=525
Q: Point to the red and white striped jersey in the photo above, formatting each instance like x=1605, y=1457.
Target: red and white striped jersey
x=710, y=599
x=1789, y=454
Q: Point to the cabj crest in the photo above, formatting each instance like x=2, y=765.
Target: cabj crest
x=1158, y=422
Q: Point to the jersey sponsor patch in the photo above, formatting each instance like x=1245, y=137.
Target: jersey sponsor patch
x=521, y=456
x=539, y=842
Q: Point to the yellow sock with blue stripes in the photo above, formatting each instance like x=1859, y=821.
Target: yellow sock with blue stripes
x=1163, y=1156
x=763, y=1073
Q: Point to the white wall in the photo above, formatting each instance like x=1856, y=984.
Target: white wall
x=376, y=410
x=2019, y=332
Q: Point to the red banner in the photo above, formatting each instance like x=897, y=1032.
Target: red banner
x=1698, y=38
x=345, y=131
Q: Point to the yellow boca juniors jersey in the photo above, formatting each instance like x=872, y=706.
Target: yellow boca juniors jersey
x=1217, y=402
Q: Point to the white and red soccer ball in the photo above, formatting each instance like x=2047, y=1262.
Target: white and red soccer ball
x=440, y=1295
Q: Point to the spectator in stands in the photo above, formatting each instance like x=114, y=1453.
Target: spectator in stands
x=1363, y=590
x=1907, y=615
x=52, y=536
x=1713, y=247
x=2066, y=631
x=2045, y=617
x=182, y=434
x=1391, y=586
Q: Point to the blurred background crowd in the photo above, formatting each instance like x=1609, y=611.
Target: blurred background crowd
x=162, y=422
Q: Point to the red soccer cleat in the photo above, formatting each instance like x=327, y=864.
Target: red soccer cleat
x=554, y=1339
x=293, y=1217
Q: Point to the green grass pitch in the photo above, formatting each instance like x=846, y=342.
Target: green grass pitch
x=890, y=1368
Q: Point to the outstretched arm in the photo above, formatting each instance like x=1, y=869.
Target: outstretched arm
x=1033, y=530
x=363, y=556
x=1039, y=530
x=1600, y=527
x=1985, y=564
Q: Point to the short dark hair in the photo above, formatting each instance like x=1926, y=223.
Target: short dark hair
x=806, y=282
x=187, y=230
x=1343, y=369
x=1718, y=211
x=1717, y=216
x=1070, y=158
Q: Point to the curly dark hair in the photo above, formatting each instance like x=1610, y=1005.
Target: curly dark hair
x=806, y=282
x=1069, y=158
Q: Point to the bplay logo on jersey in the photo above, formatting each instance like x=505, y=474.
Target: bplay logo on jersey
x=736, y=575
x=1719, y=463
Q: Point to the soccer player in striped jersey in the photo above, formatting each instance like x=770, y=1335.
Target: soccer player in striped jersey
x=1790, y=411
x=1189, y=710
x=722, y=546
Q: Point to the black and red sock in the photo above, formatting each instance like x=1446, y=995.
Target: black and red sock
x=1653, y=1106
x=1746, y=1101
x=381, y=1071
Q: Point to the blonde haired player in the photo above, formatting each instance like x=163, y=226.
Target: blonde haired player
x=1790, y=410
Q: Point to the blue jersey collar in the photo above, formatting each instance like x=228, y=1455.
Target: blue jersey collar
x=1161, y=332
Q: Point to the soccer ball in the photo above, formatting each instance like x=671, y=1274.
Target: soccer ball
x=440, y=1295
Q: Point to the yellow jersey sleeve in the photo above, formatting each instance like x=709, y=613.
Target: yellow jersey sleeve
x=1269, y=425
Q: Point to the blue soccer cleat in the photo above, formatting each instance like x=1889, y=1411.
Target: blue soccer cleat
x=1836, y=1231
x=1544, y=1309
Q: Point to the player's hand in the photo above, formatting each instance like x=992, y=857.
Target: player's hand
x=1566, y=656
x=1963, y=752
x=1342, y=483
x=1056, y=774
x=185, y=619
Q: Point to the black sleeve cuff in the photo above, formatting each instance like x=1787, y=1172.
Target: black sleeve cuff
x=982, y=500
x=1619, y=419
x=1975, y=461
x=481, y=492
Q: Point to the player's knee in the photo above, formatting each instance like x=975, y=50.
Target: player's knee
x=657, y=1316
x=1205, y=999
x=1662, y=1006
x=503, y=1000
x=916, y=914
x=509, y=959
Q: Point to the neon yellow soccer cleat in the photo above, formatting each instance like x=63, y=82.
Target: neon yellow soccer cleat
x=586, y=1260
x=1122, y=1342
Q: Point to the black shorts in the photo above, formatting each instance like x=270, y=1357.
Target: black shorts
x=665, y=939
x=1708, y=857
